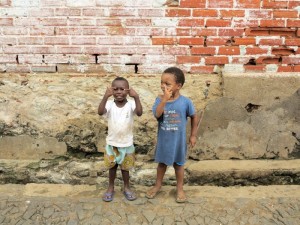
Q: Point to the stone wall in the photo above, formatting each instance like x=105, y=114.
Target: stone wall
x=243, y=116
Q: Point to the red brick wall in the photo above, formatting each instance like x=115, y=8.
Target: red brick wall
x=146, y=36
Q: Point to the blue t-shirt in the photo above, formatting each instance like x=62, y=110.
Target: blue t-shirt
x=171, y=144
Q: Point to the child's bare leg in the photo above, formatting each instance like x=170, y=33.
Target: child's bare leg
x=179, y=172
x=125, y=176
x=129, y=194
x=161, y=170
x=112, y=177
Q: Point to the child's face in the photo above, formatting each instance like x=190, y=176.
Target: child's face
x=120, y=90
x=168, y=81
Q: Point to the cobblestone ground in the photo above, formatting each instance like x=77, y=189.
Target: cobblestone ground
x=206, y=205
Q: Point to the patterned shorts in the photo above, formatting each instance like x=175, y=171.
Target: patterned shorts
x=124, y=157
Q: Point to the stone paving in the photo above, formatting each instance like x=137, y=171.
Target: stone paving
x=208, y=205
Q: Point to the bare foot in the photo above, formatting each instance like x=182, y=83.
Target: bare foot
x=152, y=192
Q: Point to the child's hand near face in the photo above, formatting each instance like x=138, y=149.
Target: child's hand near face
x=132, y=93
x=167, y=93
x=109, y=91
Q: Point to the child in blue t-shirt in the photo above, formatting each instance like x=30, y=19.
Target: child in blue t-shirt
x=171, y=111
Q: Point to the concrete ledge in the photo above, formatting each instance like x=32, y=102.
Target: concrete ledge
x=244, y=172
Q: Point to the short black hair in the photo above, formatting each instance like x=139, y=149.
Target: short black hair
x=178, y=73
x=122, y=79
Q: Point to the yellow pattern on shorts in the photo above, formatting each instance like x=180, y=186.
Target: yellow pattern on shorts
x=125, y=157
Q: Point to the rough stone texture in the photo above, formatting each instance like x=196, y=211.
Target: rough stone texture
x=263, y=89
x=26, y=147
x=65, y=107
x=206, y=205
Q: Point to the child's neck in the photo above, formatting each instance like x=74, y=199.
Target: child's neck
x=120, y=104
x=175, y=96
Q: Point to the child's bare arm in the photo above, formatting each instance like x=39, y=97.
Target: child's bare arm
x=194, y=129
x=138, y=106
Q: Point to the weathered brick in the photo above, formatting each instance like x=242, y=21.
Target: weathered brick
x=244, y=60
x=188, y=59
x=6, y=21
x=108, y=22
x=292, y=42
x=287, y=32
x=67, y=11
x=99, y=50
x=202, y=69
x=205, y=13
x=82, y=22
x=151, y=12
x=285, y=68
x=245, y=23
x=123, y=12
x=244, y=41
x=215, y=41
x=137, y=22
x=232, y=13
x=216, y=60
x=285, y=13
x=16, y=49
x=93, y=12
x=41, y=31
x=120, y=31
x=230, y=32
x=220, y=3
x=176, y=50
x=178, y=12
x=177, y=31
x=217, y=23
x=14, y=31
x=56, y=58
x=81, y=3
x=282, y=51
x=248, y=4
x=256, y=51
x=93, y=31
x=79, y=68
x=297, y=68
x=37, y=12
x=30, y=41
x=122, y=50
x=110, y=40
x=293, y=4
x=293, y=23
x=203, y=51
x=61, y=3
x=272, y=23
x=270, y=41
x=149, y=50
x=291, y=60
x=268, y=60
x=44, y=69
x=8, y=59
x=8, y=40
x=275, y=4
x=5, y=3
x=141, y=31
x=191, y=41
x=83, y=40
x=42, y=50
x=229, y=51
x=191, y=22
x=56, y=41
x=68, y=50
x=262, y=13
x=68, y=30
x=137, y=41
x=81, y=58
x=17, y=68
x=30, y=59
x=164, y=41
x=192, y=3
x=204, y=32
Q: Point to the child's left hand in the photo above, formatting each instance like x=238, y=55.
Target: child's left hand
x=193, y=140
x=132, y=93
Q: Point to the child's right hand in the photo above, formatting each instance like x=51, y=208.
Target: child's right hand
x=108, y=92
x=167, y=93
